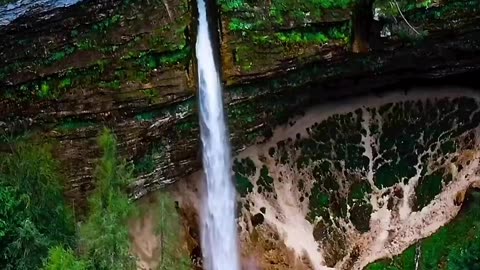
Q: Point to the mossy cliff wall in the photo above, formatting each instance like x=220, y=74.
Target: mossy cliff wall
x=129, y=65
x=361, y=180
x=358, y=181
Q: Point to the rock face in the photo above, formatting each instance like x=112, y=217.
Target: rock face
x=129, y=65
x=359, y=180
x=125, y=65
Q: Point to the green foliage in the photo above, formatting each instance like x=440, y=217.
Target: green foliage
x=37, y=229
x=389, y=7
x=308, y=36
x=73, y=124
x=167, y=228
x=33, y=216
x=303, y=9
x=297, y=37
x=147, y=163
x=232, y=5
x=265, y=181
x=240, y=25
x=455, y=246
x=109, y=23
x=146, y=116
x=466, y=257
x=60, y=258
x=104, y=235
x=243, y=169
x=114, y=85
x=44, y=90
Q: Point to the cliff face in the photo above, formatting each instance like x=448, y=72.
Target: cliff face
x=357, y=181
x=129, y=65
x=123, y=64
x=353, y=178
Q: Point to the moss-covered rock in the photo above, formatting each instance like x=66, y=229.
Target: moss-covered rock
x=342, y=168
x=454, y=246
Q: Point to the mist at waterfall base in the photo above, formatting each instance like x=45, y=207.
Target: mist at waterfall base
x=218, y=227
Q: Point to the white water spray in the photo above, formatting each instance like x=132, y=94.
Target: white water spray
x=219, y=230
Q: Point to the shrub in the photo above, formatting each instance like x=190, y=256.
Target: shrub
x=61, y=259
x=33, y=216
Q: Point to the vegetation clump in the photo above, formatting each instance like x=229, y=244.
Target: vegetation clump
x=455, y=246
x=37, y=228
x=33, y=213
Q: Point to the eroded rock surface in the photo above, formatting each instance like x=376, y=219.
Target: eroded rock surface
x=351, y=183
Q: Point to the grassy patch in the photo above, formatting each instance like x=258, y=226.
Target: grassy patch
x=453, y=247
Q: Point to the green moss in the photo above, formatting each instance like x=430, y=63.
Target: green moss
x=244, y=169
x=310, y=36
x=237, y=24
x=187, y=127
x=453, y=247
x=85, y=44
x=360, y=216
x=153, y=60
x=428, y=187
x=44, y=90
x=65, y=83
x=54, y=86
x=146, y=116
x=114, y=85
x=69, y=125
x=151, y=94
x=319, y=203
x=304, y=9
x=107, y=24
x=243, y=114
x=445, y=12
x=148, y=163
x=243, y=185
x=60, y=55
x=174, y=111
x=390, y=174
x=265, y=181
x=232, y=5
x=167, y=41
x=359, y=191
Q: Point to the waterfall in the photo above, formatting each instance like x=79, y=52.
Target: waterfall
x=418, y=255
x=219, y=229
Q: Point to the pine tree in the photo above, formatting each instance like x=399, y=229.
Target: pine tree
x=167, y=228
x=104, y=236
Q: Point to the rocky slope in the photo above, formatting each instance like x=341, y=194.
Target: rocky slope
x=357, y=181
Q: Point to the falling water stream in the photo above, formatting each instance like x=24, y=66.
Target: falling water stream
x=219, y=230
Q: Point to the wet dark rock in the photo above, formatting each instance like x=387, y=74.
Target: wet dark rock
x=257, y=219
